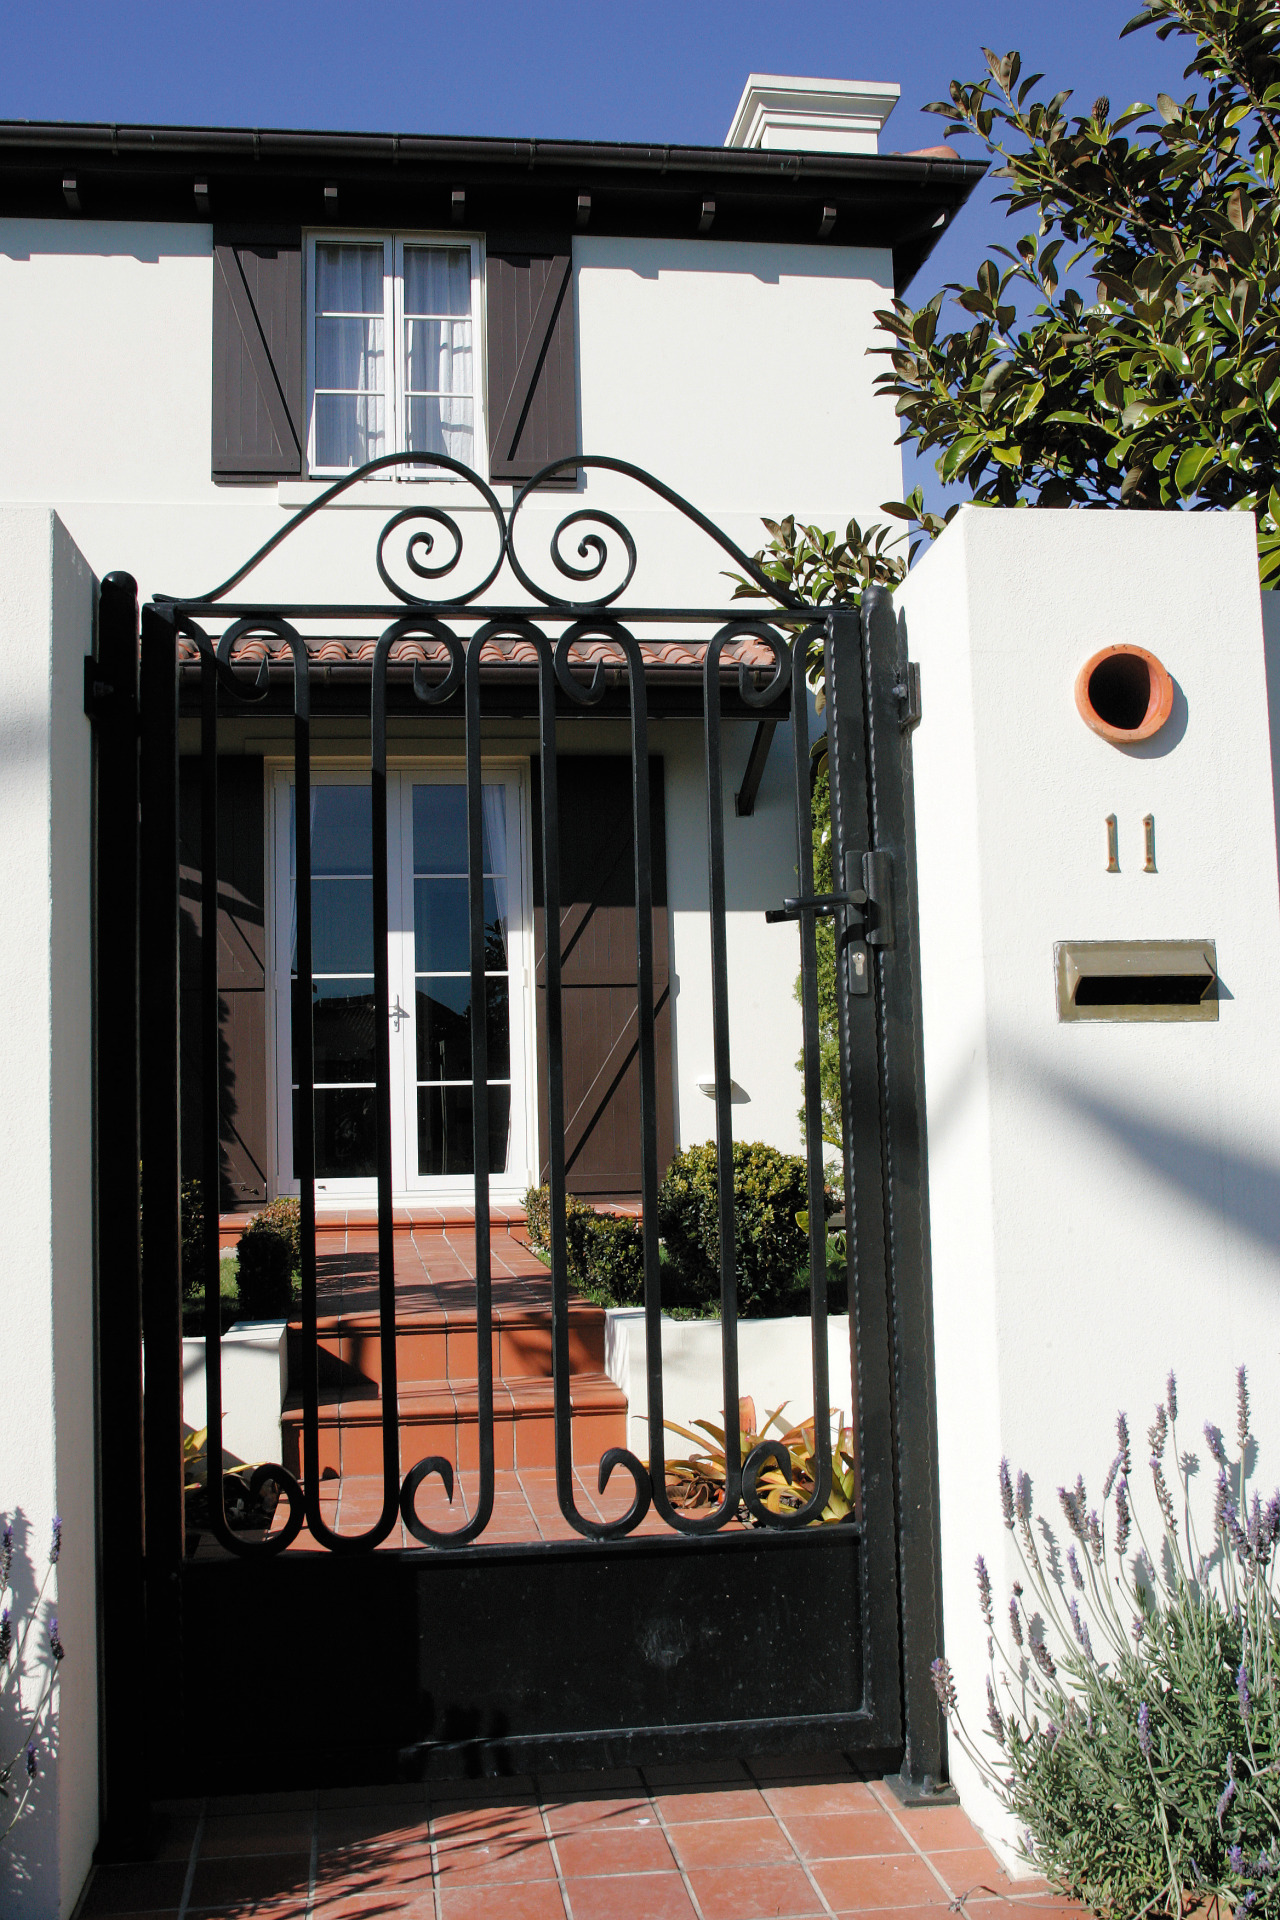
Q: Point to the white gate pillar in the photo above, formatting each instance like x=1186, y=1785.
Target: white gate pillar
x=1104, y=1194
x=46, y=1184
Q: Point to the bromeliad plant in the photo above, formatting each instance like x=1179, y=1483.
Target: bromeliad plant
x=1133, y=1699
x=699, y=1482
x=18, y=1770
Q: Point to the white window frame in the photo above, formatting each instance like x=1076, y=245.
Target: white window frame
x=393, y=246
x=409, y=1186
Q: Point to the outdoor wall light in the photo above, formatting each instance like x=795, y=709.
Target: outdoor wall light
x=1124, y=694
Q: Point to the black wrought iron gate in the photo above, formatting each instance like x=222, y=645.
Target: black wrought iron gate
x=742, y=1629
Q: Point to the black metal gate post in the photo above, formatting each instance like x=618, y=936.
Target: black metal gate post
x=865, y=1205
x=111, y=698
x=161, y=1184
x=891, y=712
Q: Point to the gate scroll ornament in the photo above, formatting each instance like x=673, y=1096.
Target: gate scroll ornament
x=446, y=617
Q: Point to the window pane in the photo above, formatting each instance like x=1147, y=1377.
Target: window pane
x=349, y=279
x=444, y=1129
x=440, y=829
x=341, y=926
x=440, y=426
x=349, y=353
x=441, y=927
x=437, y=280
x=341, y=829
x=444, y=1029
x=346, y=1134
x=437, y=356
x=342, y=1030
x=349, y=429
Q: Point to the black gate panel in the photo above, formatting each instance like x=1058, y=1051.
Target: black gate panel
x=520, y=1660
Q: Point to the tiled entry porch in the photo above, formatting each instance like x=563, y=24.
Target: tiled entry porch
x=768, y=1840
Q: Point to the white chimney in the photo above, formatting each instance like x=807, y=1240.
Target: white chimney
x=811, y=116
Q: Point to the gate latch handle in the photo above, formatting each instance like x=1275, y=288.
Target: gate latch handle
x=874, y=897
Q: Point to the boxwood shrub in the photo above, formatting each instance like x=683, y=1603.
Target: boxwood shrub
x=270, y=1253
x=605, y=1252
x=769, y=1189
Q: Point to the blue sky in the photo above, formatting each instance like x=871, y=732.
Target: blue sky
x=667, y=70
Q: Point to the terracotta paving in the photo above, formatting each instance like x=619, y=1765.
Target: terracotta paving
x=766, y=1840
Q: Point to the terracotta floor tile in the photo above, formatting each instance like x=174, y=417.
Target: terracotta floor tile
x=385, y=1903
x=537, y=1900
x=754, y=1893
x=970, y=1868
x=730, y=1800
x=154, y=1913
x=218, y=1883
x=893, y=1880
x=634, y=1896
x=731, y=1843
x=393, y=1827
x=844, y=1836
x=604, y=1812
x=239, y=1835
x=487, y=1790
x=136, y=1889
x=822, y=1796
x=483, y=1823
x=566, y=1786
x=622, y=1850
x=899, y=1913
x=936, y=1828
x=502, y=1860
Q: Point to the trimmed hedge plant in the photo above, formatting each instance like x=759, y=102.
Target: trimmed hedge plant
x=270, y=1253
x=772, y=1252
x=605, y=1252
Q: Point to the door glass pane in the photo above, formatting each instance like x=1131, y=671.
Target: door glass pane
x=442, y=963
x=444, y=1129
x=444, y=1028
x=350, y=357
x=342, y=1010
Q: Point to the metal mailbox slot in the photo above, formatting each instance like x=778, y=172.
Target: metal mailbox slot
x=1136, y=979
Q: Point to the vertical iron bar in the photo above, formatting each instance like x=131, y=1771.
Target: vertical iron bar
x=723, y=1075
x=382, y=1050
x=210, y=1102
x=898, y=985
x=866, y=1236
x=479, y=1084
x=812, y=1076
x=302, y=1042
x=161, y=1176
x=123, y=1802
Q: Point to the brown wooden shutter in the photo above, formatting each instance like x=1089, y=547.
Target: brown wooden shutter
x=258, y=401
x=533, y=394
x=598, y=962
x=242, y=998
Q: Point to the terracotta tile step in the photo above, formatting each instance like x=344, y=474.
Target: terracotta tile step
x=443, y=1418
x=333, y=1226
x=439, y=1346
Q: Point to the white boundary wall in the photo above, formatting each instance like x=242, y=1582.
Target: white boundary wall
x=1105, y=1199
x=46, y=1175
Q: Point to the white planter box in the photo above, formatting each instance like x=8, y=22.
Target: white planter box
x=255, y=1378
x=774, y=1365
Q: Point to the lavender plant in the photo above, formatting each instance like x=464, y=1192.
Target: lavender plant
x=1133, y=1718
x=18, y=1772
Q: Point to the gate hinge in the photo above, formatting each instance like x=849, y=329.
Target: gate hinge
x=103, y=700
x=907, y=694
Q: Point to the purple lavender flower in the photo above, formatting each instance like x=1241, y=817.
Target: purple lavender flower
x=1221, y=1500
x=1122, y=1435
x=1158, y=1433
x=1015, y=1623
x=1110, y=1480
x=56, y=1546
x=1124, y=1517
x=1215, y=1442
x=1242, y=1408
x=1079, y=1625
x=1093, y=1534
x=1076, y=1576
x=58, y=1651
x=1228, y=1793
x=943, y=1684
x=1137, y=1630
x=6, y=1635
x=1247, y=1904
x=1235, y=1858
x=1072, y=1502
x=1022, y=1499
x=1144, y=1729
x=1162, y=1493
x=6, y=1551
x=984, y=1588
x=1242, y=1690
x=1006, y=1494
x=1044, y=1659
x=1271, y=1522
x=1171, y=1394
x=994, y=1718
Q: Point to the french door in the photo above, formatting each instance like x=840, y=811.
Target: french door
x=430, y=983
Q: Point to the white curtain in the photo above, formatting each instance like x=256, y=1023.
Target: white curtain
x=438, y=350
x=494, y=801
x=350, y=357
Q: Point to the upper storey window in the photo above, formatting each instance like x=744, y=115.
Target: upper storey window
x=393, y=351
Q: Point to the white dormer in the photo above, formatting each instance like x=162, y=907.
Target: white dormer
x=812, y=116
